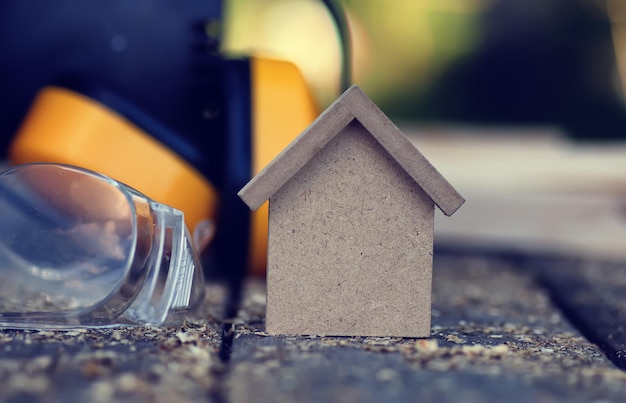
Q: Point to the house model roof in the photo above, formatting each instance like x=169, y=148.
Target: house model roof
x=352, y=105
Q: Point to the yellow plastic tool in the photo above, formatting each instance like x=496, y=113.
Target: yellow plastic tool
x=282, y=108
x=66, y=127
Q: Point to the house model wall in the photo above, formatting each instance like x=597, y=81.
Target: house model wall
x=351, y=220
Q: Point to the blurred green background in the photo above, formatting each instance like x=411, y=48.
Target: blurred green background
x=504, y=62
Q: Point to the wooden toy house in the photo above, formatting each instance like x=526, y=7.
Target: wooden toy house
x=351, y=220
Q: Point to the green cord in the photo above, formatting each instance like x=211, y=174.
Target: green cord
x=343, y=30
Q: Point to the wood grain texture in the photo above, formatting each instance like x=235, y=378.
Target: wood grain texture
x=350, y=226
x=351, y=105
x=404, y=152
x=350, y=245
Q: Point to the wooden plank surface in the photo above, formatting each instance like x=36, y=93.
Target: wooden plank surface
x=496, y=336
x=129, y=364
x=592, y=295
x=496, y=333
x=530, y=190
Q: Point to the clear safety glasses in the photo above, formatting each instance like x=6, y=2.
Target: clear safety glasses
x=80, y=249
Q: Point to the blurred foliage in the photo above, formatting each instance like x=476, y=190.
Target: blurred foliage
x=479, y=61
x=398, y=45
x=410, y=41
